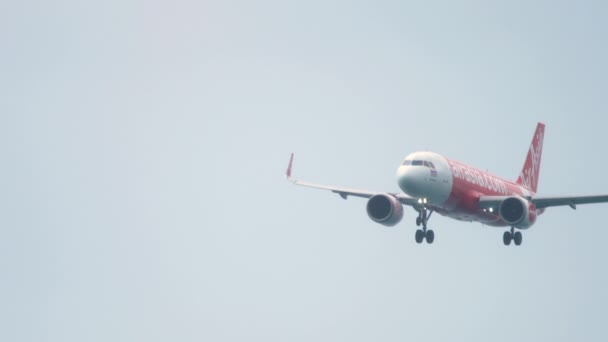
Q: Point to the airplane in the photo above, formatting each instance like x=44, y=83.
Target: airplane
x=433, y=183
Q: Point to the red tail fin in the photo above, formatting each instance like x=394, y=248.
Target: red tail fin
x=529, y=174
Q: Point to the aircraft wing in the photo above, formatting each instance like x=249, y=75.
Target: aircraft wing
x=545, y=202
x=345, y=192
x=572, y=201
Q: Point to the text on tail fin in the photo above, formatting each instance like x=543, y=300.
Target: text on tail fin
x=528, y=176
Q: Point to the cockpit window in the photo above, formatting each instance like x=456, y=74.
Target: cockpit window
x=420, y=163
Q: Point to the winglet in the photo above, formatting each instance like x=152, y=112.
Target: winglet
x=288, y=172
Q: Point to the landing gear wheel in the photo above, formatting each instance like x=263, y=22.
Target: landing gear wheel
x=430, y=236
x=419, y=236
x=418, y=221
x=506, y=238
x=517, y=238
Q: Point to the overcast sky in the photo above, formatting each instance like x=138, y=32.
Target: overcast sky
x=143, y=147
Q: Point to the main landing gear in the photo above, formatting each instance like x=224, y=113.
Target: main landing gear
x=511, y=235
x=422, y=219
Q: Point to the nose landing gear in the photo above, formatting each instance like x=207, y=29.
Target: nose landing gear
x=422, y=219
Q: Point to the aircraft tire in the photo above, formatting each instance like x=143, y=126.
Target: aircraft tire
x=506, y=238
x=430, y=236
x=517, y=238
x=419, y=236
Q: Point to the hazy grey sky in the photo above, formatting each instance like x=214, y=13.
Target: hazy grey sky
x=143, y=147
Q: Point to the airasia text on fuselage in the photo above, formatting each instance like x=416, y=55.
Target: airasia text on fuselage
x=476, y=177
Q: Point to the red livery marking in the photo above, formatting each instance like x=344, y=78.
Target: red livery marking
x=530, y=172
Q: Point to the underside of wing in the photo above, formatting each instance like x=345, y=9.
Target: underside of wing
x=344, y=192
x=545, y=202
x=487, y=202
x=572, y=201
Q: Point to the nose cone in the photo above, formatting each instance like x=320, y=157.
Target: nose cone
x=411, y=180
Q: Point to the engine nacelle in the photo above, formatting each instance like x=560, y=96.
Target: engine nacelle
x=517, y=212
x=385, y=209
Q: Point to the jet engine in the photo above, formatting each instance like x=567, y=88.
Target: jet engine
x=385, y=209
x=516, y=212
